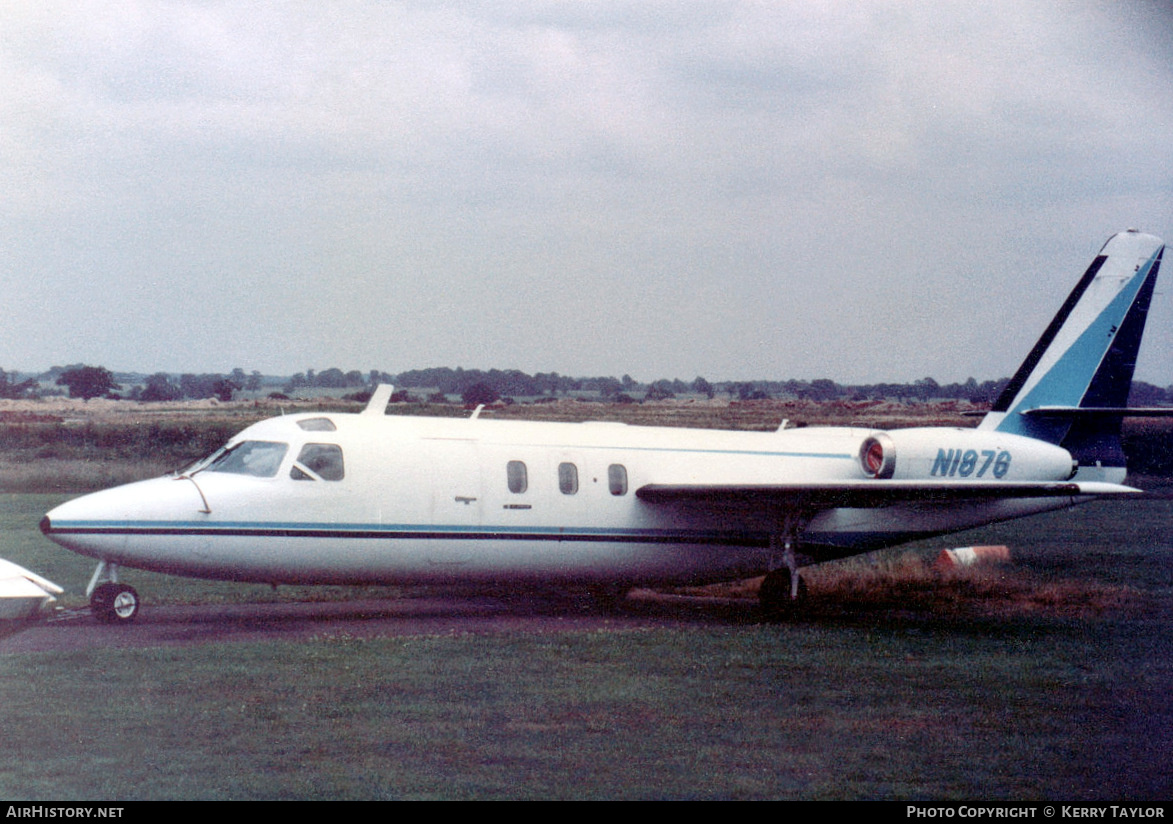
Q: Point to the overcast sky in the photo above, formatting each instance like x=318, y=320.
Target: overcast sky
x=859, y=191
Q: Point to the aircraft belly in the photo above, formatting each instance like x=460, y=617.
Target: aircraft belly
x=664, y=546
x=386, y=558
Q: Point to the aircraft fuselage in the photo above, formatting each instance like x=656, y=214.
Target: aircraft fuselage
x=346, y=498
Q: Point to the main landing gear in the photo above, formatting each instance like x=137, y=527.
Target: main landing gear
x=774, y=598
x=110, y=601
x=783, y=590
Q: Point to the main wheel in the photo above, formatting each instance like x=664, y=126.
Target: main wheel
x=774, y=595
x=114, y=603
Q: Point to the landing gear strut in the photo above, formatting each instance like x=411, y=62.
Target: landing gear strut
x=110, y=601
x=774, y=598
x=783, y=589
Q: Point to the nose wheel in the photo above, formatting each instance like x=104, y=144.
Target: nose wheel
x=112, y=602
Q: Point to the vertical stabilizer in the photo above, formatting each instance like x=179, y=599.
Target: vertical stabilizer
x=1086, y=357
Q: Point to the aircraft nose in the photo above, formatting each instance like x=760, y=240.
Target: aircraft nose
x=159, y=499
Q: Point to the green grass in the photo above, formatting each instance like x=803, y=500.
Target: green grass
x=713, y=712
x=904, y=700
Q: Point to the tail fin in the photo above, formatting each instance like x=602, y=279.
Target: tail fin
x=1072, y=388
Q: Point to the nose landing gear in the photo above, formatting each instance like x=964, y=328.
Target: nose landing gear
x=114, y=603
x=110, y=601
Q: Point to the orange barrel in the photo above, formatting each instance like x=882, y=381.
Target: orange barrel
x=967, y=556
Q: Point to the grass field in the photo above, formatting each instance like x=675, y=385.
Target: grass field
x=892, y=687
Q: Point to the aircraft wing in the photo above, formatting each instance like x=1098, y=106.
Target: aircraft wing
x=868, y=494
x=23, y=593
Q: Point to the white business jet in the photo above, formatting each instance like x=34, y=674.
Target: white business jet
x=369, y=498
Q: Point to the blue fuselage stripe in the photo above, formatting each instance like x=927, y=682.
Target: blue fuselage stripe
x=405, y=531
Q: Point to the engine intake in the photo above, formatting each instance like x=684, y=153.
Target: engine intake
x=877, y=456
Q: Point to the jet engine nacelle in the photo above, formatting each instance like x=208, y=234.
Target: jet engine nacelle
x=962, y=454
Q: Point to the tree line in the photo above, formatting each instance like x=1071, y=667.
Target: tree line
x=489, y=386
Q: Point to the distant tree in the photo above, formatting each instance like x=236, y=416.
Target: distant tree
x=334, y=378
x=10, y=389
x=823, y=389
x=480, y=393
x=660, y=390
x=702, y=387
x=377, y=376
x=87, y=382
x=296, y=382
x=926, y=389
x=609, y=387
x=748, y=391
x=225, y=388
x=158, y=387
x=207, y=386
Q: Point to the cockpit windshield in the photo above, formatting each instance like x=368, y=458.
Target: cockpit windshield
x=260, y=459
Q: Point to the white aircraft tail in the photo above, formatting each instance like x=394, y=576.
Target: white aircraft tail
x=1072, y=389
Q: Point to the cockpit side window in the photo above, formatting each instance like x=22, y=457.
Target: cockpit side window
x=318, y=460
x=260, y=459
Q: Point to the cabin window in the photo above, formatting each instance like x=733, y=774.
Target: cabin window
x=317, y=425
x=516, y=476
x=617, y=479
x=261, y=459
x=318, y=460
x=567, y=478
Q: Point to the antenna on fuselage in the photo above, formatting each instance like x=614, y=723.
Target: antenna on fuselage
x=377, y=405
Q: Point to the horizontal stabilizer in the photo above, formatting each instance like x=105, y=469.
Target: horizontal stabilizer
x=1099, y=412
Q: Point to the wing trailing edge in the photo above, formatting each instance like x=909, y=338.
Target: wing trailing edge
x=868, y=495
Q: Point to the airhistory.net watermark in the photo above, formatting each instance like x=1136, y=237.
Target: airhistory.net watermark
x=39, y=811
